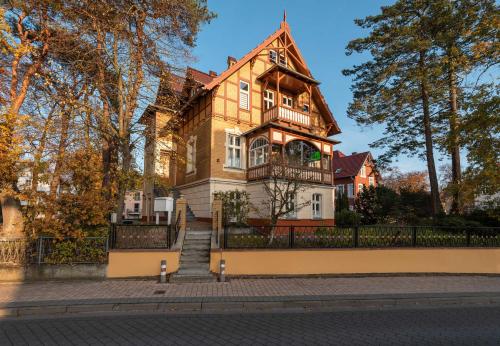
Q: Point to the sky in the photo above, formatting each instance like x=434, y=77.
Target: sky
x=321, y=29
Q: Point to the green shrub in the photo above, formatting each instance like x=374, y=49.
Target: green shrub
x=347, y=218
x=76, y=251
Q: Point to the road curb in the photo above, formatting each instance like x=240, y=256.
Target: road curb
x=245, y=304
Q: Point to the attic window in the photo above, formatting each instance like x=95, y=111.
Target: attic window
x=273, y=56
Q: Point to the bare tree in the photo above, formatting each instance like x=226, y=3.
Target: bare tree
x=282, y=190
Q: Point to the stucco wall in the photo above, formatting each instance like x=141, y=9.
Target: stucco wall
x=358, y=261
x=140, y=263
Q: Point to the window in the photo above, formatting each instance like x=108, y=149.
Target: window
x=327, y=162
x=273, y=56
x=291, y=205
x=305, y=108
x=191, y=155
x=287, y=101
x=259, y=151
x=371, y=181
x=136, y=207
x=362, y=172
x=233, y=147
x=244, y=95
x=302, y=154
x=338, y=170
x=350, y=190
x=282, y=59
x=340, y=189
x=316, y=206
x=268, y=99
x=137, y=196
x=360, y=188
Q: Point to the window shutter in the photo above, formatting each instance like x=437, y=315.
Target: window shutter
x=243, y=100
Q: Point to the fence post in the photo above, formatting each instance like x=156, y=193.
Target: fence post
x=224, y=246
x=414, y=236
x=355, y=236
x=291, y=234
x=467, y=236
x=40, y=249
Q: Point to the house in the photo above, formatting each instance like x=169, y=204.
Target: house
x=353, y=172
x=229, y=125
x=133, y=204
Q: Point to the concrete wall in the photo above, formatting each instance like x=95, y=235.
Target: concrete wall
x=140, y=263
x=53, y=272
x=357, y=261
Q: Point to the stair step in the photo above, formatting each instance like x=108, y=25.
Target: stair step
x=189, y=252
x=192, y=278
x=197, y=236
x=202, y=267
x=205, y=246
x=194, y=270
x=195, y=258
x=196, y=241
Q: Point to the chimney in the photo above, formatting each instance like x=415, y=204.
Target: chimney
x=212, y=73
x=354, y=152
x=230, y=61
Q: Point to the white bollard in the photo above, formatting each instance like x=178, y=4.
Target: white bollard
x=163, y=271
x=222, y=271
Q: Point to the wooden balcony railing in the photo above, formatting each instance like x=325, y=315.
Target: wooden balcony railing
x=306, y=174
x=293, y=116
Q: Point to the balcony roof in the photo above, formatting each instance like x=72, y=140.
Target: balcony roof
x=289, y=129
x=291, y=75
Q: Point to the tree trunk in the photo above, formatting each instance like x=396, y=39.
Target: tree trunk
x=12, y=217
x=431, y=167
x=61, y=151
x=453, y=144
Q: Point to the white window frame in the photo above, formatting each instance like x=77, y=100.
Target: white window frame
x=371, y=181
x=138, y=209
x=191, y=155
x=282, y=59
x=317, y=206
x=137, y=196
x=360, y=188
x=287, y=101
x=259, y=151
x=232, y=148
x=362, y=172
x=292, y=214
x=268, y=99
x=340, y=189
x=244, y=93
x=305, y=108
x=273, y=56
x=350, y=190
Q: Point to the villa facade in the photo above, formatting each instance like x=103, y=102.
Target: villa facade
x=229, y=126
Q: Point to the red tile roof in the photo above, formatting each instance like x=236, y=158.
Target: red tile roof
x=348, y=165
x=199, y=76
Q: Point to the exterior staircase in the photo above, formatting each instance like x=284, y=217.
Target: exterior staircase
x=195, y=256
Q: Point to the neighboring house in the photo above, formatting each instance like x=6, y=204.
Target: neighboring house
x=266, y=103
x=133, y=204
x=24, y=182
x=353, y=172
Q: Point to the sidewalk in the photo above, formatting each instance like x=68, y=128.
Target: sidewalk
x=19, y=299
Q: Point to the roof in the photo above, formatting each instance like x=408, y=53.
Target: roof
x=199, y=76
x=349, y=165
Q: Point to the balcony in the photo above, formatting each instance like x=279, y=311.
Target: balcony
x=292, y=116
x=304, y=174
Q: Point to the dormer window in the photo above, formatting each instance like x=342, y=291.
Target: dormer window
x=305, y=108
x=282, y=59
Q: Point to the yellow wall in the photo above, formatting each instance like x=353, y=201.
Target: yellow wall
x=348, y=261
x=140, y=263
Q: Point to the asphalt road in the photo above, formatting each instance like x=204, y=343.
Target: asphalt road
x=451, y=326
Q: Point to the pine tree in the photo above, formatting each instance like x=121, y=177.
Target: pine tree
x=395, y=86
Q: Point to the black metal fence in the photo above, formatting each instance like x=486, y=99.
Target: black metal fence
x=359, y=237
x=143, y=236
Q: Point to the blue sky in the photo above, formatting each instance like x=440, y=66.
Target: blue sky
x=321, y=29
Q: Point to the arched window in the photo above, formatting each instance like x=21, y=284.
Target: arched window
x=259, y=151
x=302, y=154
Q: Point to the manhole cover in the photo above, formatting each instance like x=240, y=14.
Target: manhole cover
x=159, y=292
